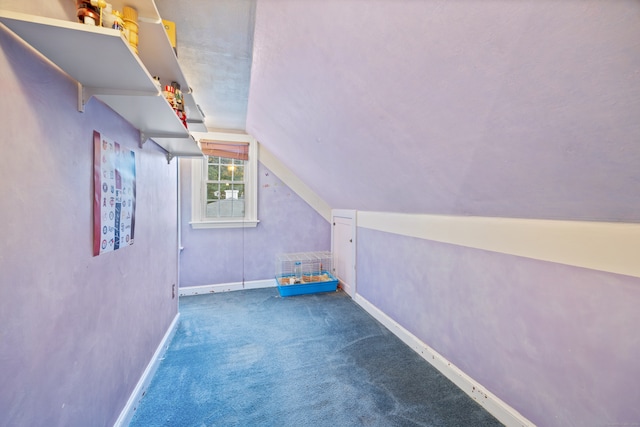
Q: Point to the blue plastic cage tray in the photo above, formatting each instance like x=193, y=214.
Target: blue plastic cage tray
x=324, y=282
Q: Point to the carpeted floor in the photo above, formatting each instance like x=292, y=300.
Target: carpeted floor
x=252, y=358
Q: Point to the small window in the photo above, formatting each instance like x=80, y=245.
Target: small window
x=224, y=183
x=225, y=188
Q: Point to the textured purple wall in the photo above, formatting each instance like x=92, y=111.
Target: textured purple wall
x=217, y=256
x=557, y=343
x=524, y=109
x=77, y=330
x=490, y=108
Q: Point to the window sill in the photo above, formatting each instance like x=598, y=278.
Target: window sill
x=232, y=223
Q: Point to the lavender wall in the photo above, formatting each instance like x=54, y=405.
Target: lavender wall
x=218, y=256
x=521, y=109
x=77, y=330
x=557, y=343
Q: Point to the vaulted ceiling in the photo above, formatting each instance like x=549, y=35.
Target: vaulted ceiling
x=519, y=109
x=215, y=43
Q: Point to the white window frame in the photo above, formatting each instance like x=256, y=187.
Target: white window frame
x=198, y=187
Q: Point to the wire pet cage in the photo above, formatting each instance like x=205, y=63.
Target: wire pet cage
x=305, y=273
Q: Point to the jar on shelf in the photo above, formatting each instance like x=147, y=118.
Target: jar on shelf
x=87, y=13
x=107, y=16
x=118, y=24
x=169, y=95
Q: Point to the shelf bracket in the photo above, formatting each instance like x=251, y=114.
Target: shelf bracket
x=86, y=92
x=169, y=158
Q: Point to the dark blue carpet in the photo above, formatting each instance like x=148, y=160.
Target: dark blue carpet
x=252, y=358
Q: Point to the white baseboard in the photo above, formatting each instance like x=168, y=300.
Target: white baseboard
x=143, y=383
x=226, y=287
x=496, y=407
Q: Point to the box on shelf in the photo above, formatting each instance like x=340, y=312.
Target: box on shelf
x=170, y=28
x=305, y=273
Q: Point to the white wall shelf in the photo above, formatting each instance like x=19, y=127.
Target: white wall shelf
x=106, y=68
x=195, y=117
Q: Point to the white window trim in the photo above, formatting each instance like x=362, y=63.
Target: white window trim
x=198, y=197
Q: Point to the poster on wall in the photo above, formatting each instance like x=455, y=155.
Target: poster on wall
x=114, y=200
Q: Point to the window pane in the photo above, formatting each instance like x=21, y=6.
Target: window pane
x=239, y=190
x=238, y=174
x=228, y=207
x=226, y=172
x=237, y=200
x=213, y=192
x=213, y=197
x=213, y=172
x=238, y=208
x=225, y=189
x=213, y=210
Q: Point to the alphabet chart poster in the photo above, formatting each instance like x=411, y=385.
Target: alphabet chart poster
x=114, y=202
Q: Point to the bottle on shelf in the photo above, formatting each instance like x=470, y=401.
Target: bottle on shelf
x=118, y=24
x=176, y=100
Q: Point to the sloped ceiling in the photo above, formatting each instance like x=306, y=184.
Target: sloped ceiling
x=518, y=109
x=215, y=43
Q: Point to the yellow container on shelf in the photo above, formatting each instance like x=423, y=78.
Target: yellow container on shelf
x=129, y=13
x=170, y=28
x=133, y=38
x=130, y=19
x=131, y=32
